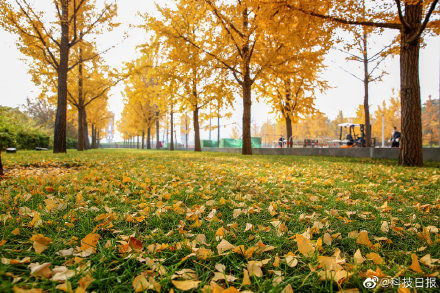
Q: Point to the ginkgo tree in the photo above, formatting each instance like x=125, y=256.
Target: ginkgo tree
x=144, y=103
x=234, y=38
x=48, y=37
x=290, y=87
x=199, y=82
x=411, y=18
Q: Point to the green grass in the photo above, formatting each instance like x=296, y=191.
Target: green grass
x=305, y=190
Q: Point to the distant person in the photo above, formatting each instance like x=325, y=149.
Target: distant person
x=350, y=139
x=395, y=138
x=281, y=141
x=160, y=144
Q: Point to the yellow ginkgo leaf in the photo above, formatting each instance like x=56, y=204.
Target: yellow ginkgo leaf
x=415, y=266
x=224, y=246
x=41, y=243
x=376, y=258
x=246, y=279
x=89, y=242
x=359, y=259
x=305, y=246
x=363, y=239
x=186, y=284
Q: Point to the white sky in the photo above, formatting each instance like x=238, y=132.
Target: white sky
x=346, y=94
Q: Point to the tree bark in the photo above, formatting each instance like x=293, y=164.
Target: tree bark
x=411, y=153
x=197, y=146
x=143, y=139
x=289, y=130
x=247, y=89
x=157, y=130
x=86, y=130
x=247, y=105
x=1, y=164
x=59, y=144
x=93, y=136
x=149, y=138
x=366, y=92
x=81, y=141
x=172, y=131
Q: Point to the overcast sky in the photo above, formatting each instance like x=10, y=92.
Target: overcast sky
x=346, y=94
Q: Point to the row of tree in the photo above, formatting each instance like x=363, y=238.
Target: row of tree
x=277, y=48
x=204, y=49
x=64, y=61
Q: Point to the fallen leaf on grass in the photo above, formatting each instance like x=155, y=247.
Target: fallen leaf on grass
x=288, y=289
x=384, y=227
x=7, y=261
x=304, y=245
x=363, y=239
x=62, y=274
x=376, y=258
x=65, y=252
x=415, y=266
x=246, y=279
x=359, y=259
x=291, y=261
x=85, y=281
x=66, y=287
x=186, y=285
x=327, y=239
x=21, y=290
x=41, y=243
x=42, y=270
x=224, y=246
x=89, y=243
x=428, y=261
x=187, y=274
x=330, y=263
x=337, y=276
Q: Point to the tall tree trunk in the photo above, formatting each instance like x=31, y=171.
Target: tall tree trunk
x=137, y=142
x=86, y=130
x=143, y=139
x=366, y=91
x=98, y=139
x=289, y=130
x=247, y=105
x=197, y=146
x=411, y=153
x=93, y=136
x=80, y=107
x=247, y=89
x=157, y=130
x=172, y=130
x=59, y=144
x=1, y=164
x=149, y=138
x=288, y=110
x=81, y=141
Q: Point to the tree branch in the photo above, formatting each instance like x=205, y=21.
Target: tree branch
x=346, y=21
x=425, y=22
x=402, y=19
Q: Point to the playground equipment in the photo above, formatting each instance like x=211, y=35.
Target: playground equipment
x=351, y=139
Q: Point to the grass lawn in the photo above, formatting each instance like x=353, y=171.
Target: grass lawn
x=129, y=220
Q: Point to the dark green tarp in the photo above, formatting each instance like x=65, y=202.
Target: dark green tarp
x=237, y=143
x=208, y=143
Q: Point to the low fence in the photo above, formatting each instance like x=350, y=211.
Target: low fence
x=376, y=153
